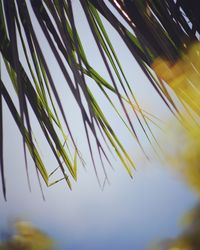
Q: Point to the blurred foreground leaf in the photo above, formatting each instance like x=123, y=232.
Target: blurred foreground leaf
x=27, y=237
x=189, y=239
x=184, y=157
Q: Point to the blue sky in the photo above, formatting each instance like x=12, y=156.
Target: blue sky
x=128, y=214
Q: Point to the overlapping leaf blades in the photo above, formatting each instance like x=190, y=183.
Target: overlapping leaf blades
x=36, y=88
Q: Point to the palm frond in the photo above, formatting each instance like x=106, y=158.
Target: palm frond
x=169, y=43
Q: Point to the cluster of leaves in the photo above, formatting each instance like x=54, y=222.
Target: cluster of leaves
x=36, y=88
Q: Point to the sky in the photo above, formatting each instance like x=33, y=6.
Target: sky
x=129, y=214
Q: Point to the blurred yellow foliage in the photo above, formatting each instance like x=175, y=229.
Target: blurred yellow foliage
x=189, y=239
x=187, y=159
x=183, y=76
x=183, y=153
x=184, y=143
x=27, y=238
